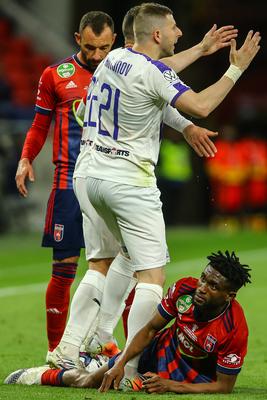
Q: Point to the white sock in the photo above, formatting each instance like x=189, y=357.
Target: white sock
x=147, y=297
x=116, y=285
x=83, y=311
x=132, y=284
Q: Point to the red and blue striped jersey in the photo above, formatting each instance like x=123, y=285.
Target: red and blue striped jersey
x=59, y=86
x=192, y=351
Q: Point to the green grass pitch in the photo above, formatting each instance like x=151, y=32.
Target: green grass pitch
x=25, y=270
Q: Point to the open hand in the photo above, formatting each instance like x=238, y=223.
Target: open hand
x=24, y=171
x=216, y=39
x=243, y=57
x=199, y=140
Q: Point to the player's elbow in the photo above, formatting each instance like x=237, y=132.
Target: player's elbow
x=192, y=105
x=225, y=389
x=201, y=111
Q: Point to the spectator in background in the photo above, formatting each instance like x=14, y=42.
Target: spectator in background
x=173, y=172
x=255, y=147
x=238, y=179
x=228, y=174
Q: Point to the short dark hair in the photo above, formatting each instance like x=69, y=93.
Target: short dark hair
x=230, y=267
x=127, y=24
x=97, y=20
x=145, y=18
x=154, y=9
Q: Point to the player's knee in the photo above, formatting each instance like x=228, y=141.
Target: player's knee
x=155, y=276
x=100, y=265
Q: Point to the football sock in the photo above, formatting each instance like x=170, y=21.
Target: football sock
x=83, y=312
x=53, y=377
x=127, y=306
x=117, y=283
x=147, y=297
x=57, y=300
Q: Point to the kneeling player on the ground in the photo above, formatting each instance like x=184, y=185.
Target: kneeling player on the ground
x=201, y=352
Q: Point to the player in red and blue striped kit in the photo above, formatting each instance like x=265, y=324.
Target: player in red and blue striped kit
x=60, y=86
x=204, y=349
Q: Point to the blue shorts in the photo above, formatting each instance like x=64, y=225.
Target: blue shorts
x=63, y=223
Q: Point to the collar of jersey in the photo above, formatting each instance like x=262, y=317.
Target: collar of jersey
x=137, y=52
x=80, y=63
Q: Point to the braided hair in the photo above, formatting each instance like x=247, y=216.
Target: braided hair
x=230, y=267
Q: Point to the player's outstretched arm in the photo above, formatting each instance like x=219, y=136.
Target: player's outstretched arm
x=203, y=103
x=199, y=139
x=215, y=39
x=24, y=171
x=156, y=384
x=136, y=346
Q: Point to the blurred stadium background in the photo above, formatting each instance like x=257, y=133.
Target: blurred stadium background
x=230, y=190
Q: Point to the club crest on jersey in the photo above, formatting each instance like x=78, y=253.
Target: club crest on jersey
x=65, y=70
x=210, y=343
x=58, y=232
x=184, y=303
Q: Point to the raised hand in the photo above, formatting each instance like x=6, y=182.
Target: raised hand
x=24, y=171
x=242, y=58
x=216, y=39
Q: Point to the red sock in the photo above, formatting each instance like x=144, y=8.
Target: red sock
x=57, y=301
x=128, y=304
x=53, y=377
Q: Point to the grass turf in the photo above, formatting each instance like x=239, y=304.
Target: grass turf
x=25, y=269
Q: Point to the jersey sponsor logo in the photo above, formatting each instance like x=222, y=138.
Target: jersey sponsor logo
x=184, y=303
x=210, y=343
x=233, y=359
x=170, y=75
x=58, y=232
x=71, y=85
x=112, y=151
x=86, y=142
x=186, y=343
x=65, y=70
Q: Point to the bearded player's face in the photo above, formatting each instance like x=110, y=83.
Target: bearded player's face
x=94, y=48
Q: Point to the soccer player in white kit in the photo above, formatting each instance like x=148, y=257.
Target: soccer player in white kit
x=121, y=141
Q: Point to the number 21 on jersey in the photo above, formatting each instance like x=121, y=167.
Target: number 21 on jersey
x=110, y=105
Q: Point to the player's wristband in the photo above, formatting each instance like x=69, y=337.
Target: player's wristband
x=233, y=73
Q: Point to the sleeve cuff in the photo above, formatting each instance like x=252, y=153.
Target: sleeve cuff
x=228, y=371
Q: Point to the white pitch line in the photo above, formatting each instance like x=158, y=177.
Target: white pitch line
x=246, y=256
x=25, y=289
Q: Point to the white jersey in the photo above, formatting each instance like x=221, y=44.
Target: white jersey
x=125, y=105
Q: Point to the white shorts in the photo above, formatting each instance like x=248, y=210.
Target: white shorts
x=134, y=216
x=99, y=242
